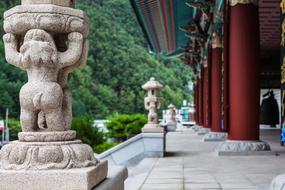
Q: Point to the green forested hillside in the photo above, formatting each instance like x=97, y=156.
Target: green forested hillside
x=118, y=64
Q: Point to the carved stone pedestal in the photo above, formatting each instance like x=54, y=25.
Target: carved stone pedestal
x=278, y=183
x=196, y=128
x=50, y=161
x=71, y=179
x=231, y=147
x=48, y=39
x=152, y=128
x=171, y=119
x=203, y=131
x=115, y=179
x=152, y=103
x=65, y=3
x=46, y=155
x=171, y=127
x=215, y=136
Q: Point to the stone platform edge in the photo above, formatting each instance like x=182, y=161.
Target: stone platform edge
x=135, y=149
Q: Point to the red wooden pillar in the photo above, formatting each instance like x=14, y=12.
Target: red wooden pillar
x=201, y=118
x=206, y=99
x=243, y=72
x=198, y=102
x=216, y=85
x=195, y=103
x=225, y=92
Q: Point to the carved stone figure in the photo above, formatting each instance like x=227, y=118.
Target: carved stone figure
x=171, y=114
x=152, y=103
x=47, y=39
x=39, y=56
x=171, y=118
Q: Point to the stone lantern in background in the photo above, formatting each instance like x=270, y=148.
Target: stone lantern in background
x=152, y=103
x=171, y=118
x=48, y=39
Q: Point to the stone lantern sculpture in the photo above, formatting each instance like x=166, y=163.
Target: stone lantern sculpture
x=152, y=103
x=171, y=123
x=171, y=114
x=47, y=39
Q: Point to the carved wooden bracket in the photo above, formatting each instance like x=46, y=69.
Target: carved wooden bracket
x=236, y=2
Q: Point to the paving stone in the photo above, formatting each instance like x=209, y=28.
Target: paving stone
x=162, y=187
x=164, y=181
x=237, y=185
x=193, y=165
x=202, y=186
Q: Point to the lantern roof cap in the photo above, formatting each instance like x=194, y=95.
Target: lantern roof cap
x=152, y=84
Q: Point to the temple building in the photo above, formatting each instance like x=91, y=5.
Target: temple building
x=236, y=50
x=233, y=47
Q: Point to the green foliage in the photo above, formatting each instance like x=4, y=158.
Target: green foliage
x=122, y=127
x=14, y=128
x=104, y=146
x=118, y=64
x=86, y=132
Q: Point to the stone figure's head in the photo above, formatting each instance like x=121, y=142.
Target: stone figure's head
x=38, y=48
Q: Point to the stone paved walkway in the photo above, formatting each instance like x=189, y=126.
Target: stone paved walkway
x=193, y=164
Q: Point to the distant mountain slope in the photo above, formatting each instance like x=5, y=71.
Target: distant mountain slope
x=118, y=64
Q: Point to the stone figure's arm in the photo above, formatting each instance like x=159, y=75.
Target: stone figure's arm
x=74, y=51
x=146, y=103
x=11, y=53
x=158, y=103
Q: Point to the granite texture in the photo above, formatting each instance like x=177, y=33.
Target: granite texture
x=73, y=179
x=171, y=127
x=51, y=18
x=203, y=131
x=171, y=114
x=135, y=149
x=65, y=3
x=53, y=136
x=242, y=147
x=153, y=128
x=48, y=40
x=115, y=179
x=195, y=128
x=237, y=2
x=46, y=155
x=171, y=118
x=43, y=94
x=278, y=183
x=152, y=104
x=215, y=136
x=192, y=165
x=48, y=47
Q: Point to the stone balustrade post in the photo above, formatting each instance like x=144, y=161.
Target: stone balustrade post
x=152, y=103
x=47, y=39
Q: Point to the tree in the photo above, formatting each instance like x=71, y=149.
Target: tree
x=122, y=127
x=86, y=132
x=118, y=64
